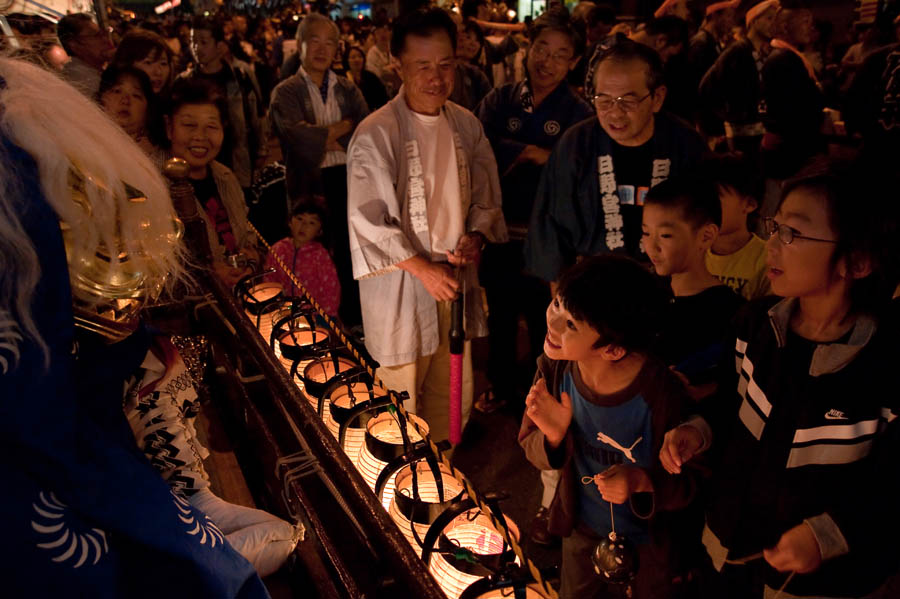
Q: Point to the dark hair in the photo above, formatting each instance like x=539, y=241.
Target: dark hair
x=215, y=27
x=154, y=124
x=469, y=8
x=470, y=26
x=863, y=233
x=345, y=60
x=308, y=205
x=732, y=170
x=114, y=73
x=695, y=197
x=558, y=19
x=424, y=23
x=618, y=298
x=200, y=91
x=601, y=13
x=675, y=29
x=69, y=27
x=139, y=44
x=626, y=50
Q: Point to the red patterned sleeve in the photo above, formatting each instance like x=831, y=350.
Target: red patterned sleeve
x=326, y=288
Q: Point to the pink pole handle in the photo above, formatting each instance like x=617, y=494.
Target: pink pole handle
x=456, y=367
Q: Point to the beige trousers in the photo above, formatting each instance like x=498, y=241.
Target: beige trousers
x=427, y=380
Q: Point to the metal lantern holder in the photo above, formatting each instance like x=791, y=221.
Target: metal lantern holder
x=484, y=508
x=296, y=337
x=423, y=490
x=337, y=404
x=381, y=447
x=258, y=296
x=322, y=368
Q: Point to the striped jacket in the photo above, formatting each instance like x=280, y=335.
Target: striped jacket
x=810, y=435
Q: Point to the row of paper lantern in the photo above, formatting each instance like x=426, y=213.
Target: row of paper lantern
x=458, y=541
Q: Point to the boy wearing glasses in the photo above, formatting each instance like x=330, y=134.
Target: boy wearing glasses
x=592, y=189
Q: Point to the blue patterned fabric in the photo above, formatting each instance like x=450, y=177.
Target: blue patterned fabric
x=82, y=511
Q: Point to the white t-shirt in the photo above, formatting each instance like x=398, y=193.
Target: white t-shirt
x=441, y=176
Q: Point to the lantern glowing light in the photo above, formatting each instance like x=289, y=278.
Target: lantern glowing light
x=472, y=530
x=408, y=511
x=384, y=442
x=337, y=402
x=260, y=299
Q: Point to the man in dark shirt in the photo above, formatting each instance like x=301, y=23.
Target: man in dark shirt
x=731, y=89
x=592, y=188
x=793, y=98
x=523, y=121
x=711, y=39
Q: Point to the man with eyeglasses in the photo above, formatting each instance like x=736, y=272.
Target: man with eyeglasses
x=523, y=121
x=89, y=48
x=593, y=186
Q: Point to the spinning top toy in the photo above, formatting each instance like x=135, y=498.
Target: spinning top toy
x=615, y=559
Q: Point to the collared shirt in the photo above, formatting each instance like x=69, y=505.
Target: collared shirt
x=326, y=109
x=82, y=76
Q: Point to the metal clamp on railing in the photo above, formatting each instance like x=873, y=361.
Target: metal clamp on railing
x=292, y=468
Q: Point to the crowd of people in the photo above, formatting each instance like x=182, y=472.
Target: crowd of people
x=689, y=214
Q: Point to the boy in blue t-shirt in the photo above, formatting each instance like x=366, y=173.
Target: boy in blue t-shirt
x=597, y=412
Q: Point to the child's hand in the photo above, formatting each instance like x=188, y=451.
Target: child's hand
x=551, y=416
x=679, y=445
x=620, y=481
x=796, y=551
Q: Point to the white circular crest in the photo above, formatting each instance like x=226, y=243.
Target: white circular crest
x=514, y=124
x=551, y=128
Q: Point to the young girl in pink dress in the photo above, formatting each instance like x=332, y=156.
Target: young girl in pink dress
x=307, y=258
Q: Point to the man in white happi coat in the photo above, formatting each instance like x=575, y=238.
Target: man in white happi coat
x=423, y=197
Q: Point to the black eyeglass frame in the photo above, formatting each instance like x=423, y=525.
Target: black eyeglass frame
x=787, y=234
x=618, y=102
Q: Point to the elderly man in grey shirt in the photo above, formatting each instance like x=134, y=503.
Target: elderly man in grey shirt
x=314, y=112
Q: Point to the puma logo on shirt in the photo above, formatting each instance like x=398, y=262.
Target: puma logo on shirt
x=625, y=450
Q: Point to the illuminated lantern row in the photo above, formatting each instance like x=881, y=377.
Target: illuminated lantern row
x=458, y=541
